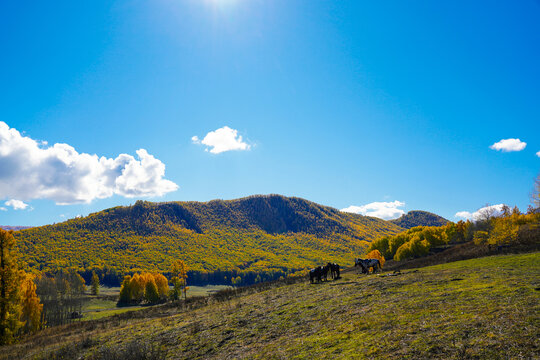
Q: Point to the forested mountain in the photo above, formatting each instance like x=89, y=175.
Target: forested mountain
x=244, y=237
x=419, y=218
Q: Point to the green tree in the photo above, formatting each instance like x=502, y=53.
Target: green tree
x=125, y=291
x=95, y=283
x=151, y=293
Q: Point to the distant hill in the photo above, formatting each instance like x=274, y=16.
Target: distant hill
x=14, y=228
x=419, y=218
x=271, y=234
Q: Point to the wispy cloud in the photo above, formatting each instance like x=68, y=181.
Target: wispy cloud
x=61, y=174
x=507, y=145
x=383, y=210
x=222, y=140
x=492, y=210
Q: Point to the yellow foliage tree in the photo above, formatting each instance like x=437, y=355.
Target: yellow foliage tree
x=162, y=285
x=180, y=269
x=151, y=287
x=137, y=285
x=10, y=289
x=31, y=307
x=376, y=254
x=19, y=304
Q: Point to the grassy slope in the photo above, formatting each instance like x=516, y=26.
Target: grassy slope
x=485, y=308
x=254, y=233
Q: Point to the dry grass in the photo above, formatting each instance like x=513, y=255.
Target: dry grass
x=485, y=308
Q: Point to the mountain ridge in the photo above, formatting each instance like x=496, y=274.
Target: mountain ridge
x=255, y=233
x=419, y=218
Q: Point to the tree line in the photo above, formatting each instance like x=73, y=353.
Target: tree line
x=510, y=227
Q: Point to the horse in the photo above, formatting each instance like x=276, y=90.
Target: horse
x=324, y=272
x=365, y=264
x=315, y=274
x=319, y=273
x=334, y=270
x=360, y=262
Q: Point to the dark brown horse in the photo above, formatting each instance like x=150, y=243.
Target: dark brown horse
x=318, y=274
x=366, y=264
x=334, y=270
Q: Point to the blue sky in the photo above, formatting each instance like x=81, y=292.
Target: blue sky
x=344, y=103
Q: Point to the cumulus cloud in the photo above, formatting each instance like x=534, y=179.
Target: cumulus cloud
x=221, y=140
x=482, y=213
x=383, y=210
x=507, y=145
x=30, y=169
x=538, y=154
x=16, y=204
x=3, y=209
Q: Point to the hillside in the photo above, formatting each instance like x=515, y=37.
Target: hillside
x=419, y=218
x=271, y=234
x=458, y=310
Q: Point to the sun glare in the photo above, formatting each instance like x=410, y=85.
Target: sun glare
x=221, y=3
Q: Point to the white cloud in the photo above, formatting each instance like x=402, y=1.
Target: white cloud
x=384, y=210
x=538, y=154
x=3, y=209
x=507, y=145
x=16, y=204
x=486, y=211
x=221, y=140
x=31, y=170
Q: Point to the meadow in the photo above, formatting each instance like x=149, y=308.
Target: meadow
x=105, y=304
x=486, y=308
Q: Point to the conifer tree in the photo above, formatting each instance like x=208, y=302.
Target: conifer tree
x=95, y=283
x=125, y=291
x=151, y=291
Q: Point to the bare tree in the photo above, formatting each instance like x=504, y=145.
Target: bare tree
x=535, y=195
x=486, y=213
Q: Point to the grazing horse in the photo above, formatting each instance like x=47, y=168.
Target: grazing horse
x=365, y=264
x=319, y=273
x=324, y=272
x=360, y=262
x=334, y=270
